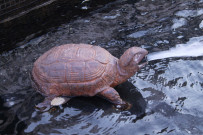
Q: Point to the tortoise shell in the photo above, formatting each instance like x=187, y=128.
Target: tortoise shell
x=74, y=70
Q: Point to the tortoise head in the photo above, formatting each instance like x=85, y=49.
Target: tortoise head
x=129, y=62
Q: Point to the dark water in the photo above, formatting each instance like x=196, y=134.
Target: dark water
x=167, y=95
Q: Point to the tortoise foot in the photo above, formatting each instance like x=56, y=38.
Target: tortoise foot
x=43, y=107
x=124, y=106
x=50, y=102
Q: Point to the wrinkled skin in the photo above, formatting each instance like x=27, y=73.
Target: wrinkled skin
x=84, y=70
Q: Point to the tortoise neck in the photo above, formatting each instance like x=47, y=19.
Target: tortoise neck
x=121, y=75
x=121, y=71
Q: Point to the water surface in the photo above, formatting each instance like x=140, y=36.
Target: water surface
x=166, y=95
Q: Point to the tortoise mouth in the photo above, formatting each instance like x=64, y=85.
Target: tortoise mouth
x=141, y=58
x=143, y=62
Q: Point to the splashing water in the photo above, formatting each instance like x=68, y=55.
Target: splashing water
x=193, y=48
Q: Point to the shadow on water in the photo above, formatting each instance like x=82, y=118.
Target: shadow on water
x=167, y=94
x=81, y=114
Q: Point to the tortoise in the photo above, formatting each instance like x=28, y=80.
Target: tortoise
x=72, y=70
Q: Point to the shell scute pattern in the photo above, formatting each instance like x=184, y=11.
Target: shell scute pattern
x=49, y=57
x=94, y=69
x=72, y=64
x=75, y=72
x=101, y=55
x=76, y=53
x=82, y=53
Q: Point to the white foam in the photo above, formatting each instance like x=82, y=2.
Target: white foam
x=201, y=25
x=112, y=17
x=193, y=48
x=189, y=13
x=138, y=34
x=84, y=8
x=178, y=23
x=181, y=36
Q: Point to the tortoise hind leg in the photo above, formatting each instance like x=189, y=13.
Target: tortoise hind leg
x=112, y=95
x=49, y=102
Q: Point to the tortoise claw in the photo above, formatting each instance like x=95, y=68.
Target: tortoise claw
x=124, y=106
x=43, y=107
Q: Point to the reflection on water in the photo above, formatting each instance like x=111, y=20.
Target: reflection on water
x=174, y=94
x=167, y=94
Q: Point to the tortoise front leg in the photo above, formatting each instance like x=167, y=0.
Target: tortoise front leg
x=112, y=95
